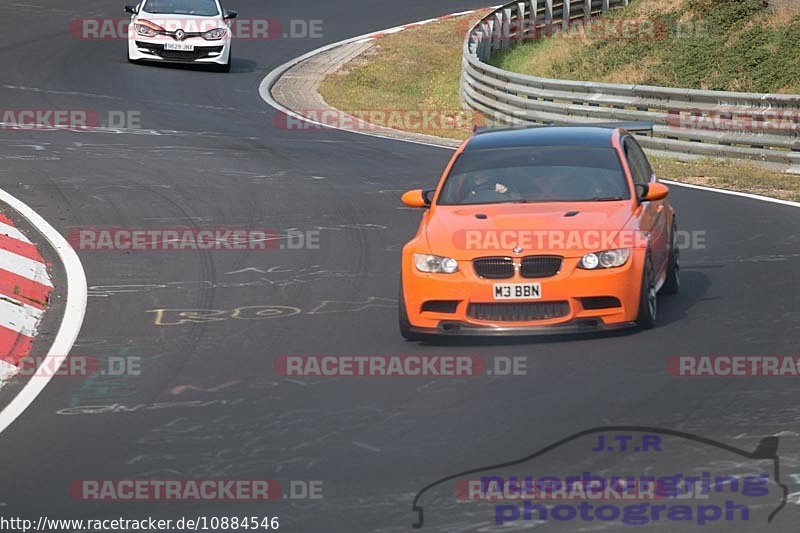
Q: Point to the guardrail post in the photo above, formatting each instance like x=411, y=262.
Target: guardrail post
x=522, y=21
x=486, y=49
x=533, y=16
x=587, y=9
x=533, y=20
x=548, y=17
x=490, y=39
x=497, y=31
x=565, y=15
x=506, y=28
x=490, y=24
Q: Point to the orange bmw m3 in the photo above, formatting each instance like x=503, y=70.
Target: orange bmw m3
x=540, y=231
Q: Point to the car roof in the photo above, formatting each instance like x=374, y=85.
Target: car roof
x=543, y=136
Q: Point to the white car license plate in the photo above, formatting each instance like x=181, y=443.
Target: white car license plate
x=517, y=291
x=179, y=47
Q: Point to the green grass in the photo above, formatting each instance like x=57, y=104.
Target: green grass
x=736, y=45
x=419, y=69
x=415, y=70
x=733, y=175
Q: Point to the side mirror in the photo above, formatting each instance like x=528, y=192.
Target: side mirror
x=653, y=192
x=131, y=9
x=417, y=198
x=227, y=15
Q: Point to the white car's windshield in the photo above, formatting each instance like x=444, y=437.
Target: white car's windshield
x=201, y=8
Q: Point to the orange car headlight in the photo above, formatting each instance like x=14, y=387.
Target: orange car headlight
x=605, y=259
x=435, y=264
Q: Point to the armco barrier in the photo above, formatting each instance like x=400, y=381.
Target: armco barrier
x=762, y=127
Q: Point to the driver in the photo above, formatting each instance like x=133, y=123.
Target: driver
x=486, y=189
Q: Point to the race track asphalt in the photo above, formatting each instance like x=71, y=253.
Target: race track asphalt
x=220, y=162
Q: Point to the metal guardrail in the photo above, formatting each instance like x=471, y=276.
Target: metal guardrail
x=762, y=127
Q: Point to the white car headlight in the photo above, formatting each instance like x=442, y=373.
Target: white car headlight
x=605, y=259
x=215, y=34
x=434, y=264
x=146, y=30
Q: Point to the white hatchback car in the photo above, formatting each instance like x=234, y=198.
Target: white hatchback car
x=180, y=31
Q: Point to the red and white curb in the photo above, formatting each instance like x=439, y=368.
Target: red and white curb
x=25, y=288
x=24, y=276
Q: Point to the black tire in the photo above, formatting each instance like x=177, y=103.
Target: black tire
x=672, y=285
x=405, y=325
x=648, y=300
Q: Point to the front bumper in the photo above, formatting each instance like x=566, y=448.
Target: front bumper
x=449, y=328
x=570, y=290
x=205, y=52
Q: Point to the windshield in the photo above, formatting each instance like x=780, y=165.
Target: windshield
x=535, y=174
x=201, y=8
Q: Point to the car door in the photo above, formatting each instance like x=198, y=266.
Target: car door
x=653, y=217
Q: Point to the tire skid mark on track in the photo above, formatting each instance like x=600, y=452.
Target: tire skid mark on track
x=193, y=317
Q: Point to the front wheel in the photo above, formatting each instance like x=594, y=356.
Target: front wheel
x=672, y=285
x=648, y=300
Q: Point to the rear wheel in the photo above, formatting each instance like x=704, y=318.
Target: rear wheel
x=648, y=301
x=672, y=285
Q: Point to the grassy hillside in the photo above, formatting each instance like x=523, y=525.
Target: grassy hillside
x=738, y=45
x=419, y=69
